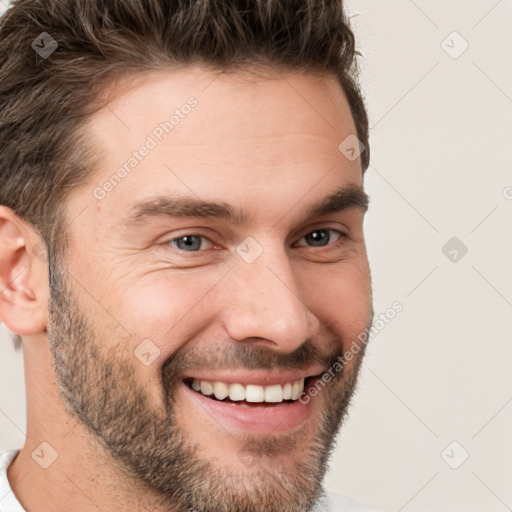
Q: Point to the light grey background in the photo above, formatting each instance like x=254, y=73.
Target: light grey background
x=436, y=384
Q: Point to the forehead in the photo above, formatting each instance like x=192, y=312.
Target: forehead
x=197, y=131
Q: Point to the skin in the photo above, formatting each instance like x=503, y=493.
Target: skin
x=252, y=142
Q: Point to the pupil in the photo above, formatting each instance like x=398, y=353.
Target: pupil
x=318, y=238
x=189, y=243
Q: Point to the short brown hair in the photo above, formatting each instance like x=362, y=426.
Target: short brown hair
x=44, y=102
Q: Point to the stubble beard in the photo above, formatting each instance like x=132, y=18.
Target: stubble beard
x=99, y=387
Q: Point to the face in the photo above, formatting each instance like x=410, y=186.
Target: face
x=211, y=283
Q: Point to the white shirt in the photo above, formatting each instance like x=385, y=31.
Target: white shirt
x=9, y=503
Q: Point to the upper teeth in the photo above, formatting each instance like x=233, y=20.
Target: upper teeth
x=250, y=392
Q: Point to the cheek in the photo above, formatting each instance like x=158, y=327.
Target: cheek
x=162, y=313
x=340, y=297
x=168, y=308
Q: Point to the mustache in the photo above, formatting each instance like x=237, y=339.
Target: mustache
x=244, y=355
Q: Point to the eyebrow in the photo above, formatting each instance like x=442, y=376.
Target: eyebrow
x=345, y=198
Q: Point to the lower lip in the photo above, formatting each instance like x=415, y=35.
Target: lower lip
x=264, y=420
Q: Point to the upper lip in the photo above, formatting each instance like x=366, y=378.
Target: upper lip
x=255, y=377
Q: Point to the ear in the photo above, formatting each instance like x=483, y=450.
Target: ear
x=23, y=276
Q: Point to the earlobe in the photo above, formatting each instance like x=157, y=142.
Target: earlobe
x=23, y=277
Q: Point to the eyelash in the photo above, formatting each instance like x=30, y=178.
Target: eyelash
x=341, y=234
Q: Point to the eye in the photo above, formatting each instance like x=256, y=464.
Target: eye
x=322, y=237
x=190, y=243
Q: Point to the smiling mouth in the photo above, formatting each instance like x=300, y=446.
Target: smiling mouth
x=251, y=395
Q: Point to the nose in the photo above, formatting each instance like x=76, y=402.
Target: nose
x=266, y=302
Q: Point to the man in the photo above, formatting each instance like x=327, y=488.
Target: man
x=182, y=254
